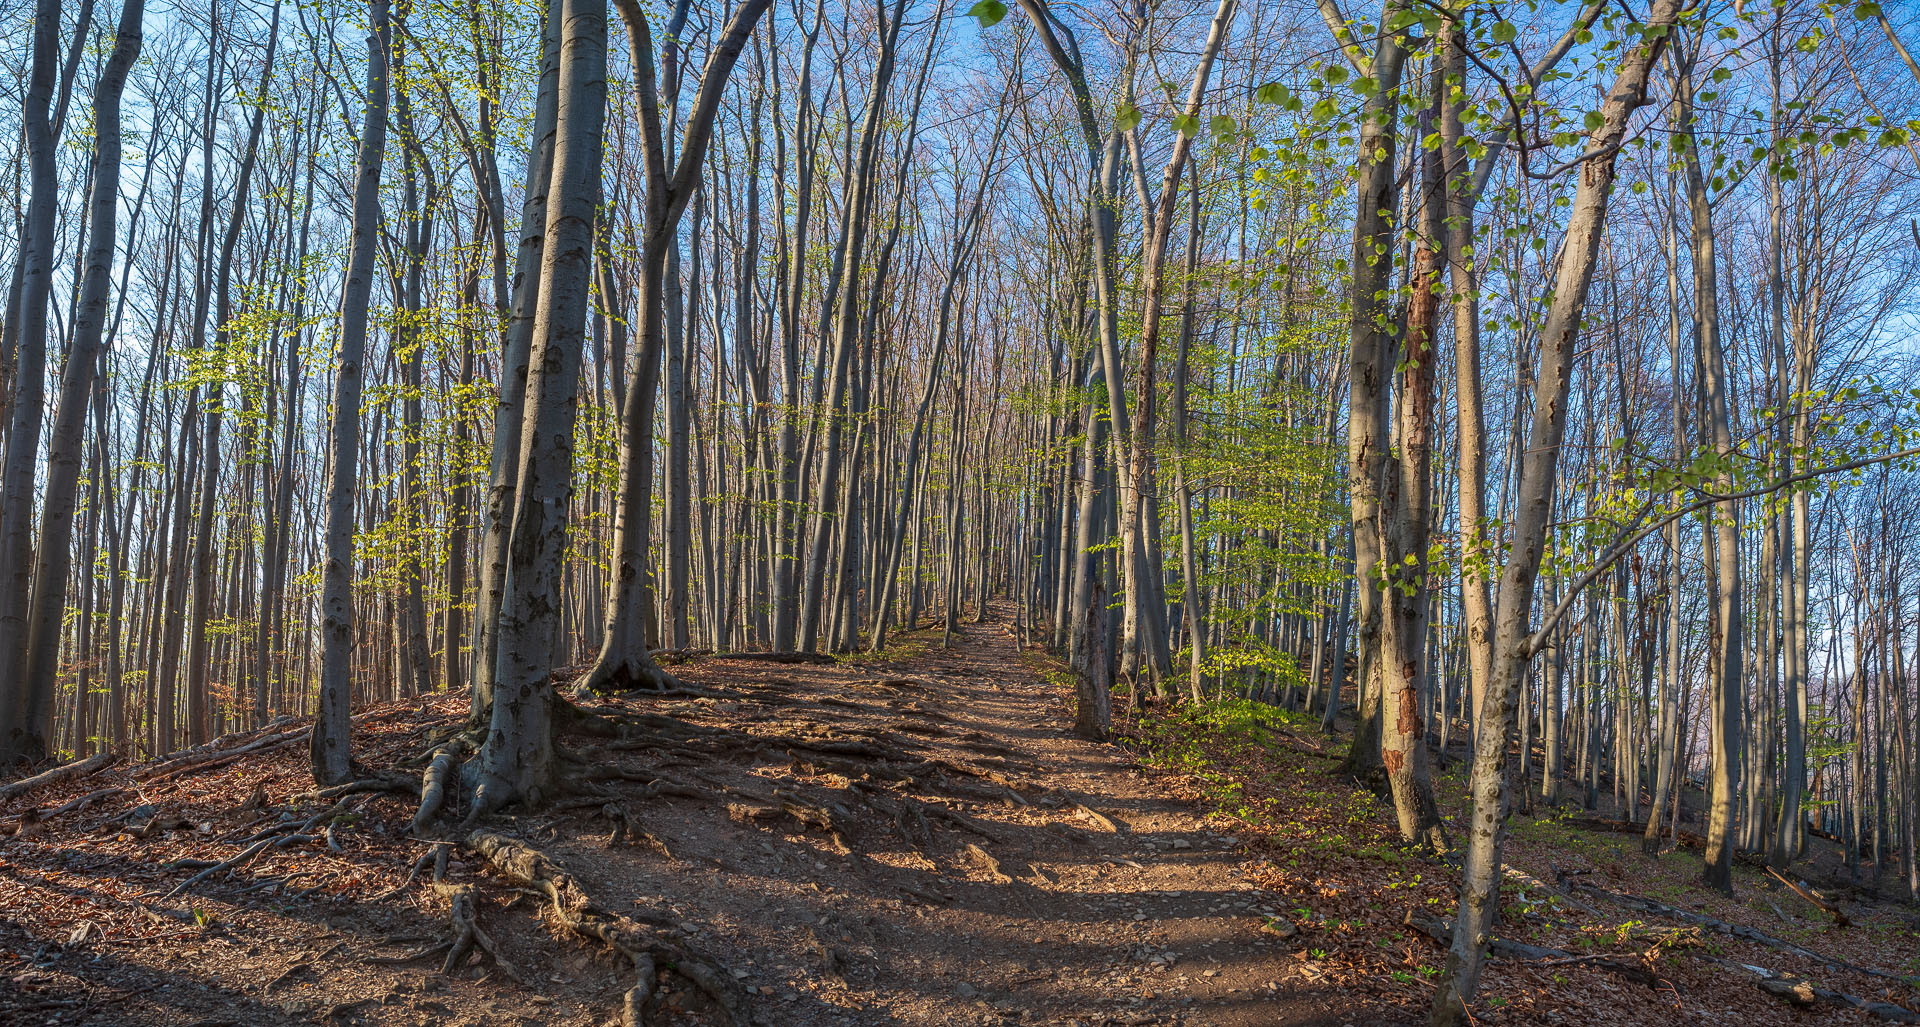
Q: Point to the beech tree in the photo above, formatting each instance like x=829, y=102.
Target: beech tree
x=1366, y=364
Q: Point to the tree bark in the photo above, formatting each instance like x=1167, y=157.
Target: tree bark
x=331, y=745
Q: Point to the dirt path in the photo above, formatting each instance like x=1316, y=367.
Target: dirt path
x=914, y=841
x=1148, y=917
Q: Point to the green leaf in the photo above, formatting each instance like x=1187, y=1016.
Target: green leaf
x=1272, y=92
x=1504, y=32
x=989, y=12
x=1128, y=119
x=1223, y=127
x=1866, y=10
x=1187, y=125
x=1336, y=74
x=1594, y=120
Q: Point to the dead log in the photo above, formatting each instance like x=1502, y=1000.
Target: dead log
x=31, y=820
x=67, y=772
x=1800, y=991
x=1740, y=931
x=175, y=768
x=1801, y=889
x=1441, y=931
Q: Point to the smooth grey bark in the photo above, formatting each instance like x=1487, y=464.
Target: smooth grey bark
x=55, y=554
x=516, y=762
x=623, y=661
x=1514, y=644
x=516, y=345
x=331, y=745
x=1728, y=713
x=35, y=269
x=1142, y=592
x=1369, y=369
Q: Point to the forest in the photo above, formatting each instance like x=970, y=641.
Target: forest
x=1482, y=430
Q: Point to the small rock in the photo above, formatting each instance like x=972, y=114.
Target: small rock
x=965, y=990
x=1182, y=843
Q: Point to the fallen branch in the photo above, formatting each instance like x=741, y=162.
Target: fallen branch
x=175, y=768
x=1803, y=992
x=1740, y=931
x=1839, y=916
x=1502, y=948
x=68, y=772
x=232, y=863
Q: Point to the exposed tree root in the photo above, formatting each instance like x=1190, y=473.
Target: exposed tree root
x=988, y=863
x=627, y=831
x=435, y=854
x=644, y=949
x=609, y=676
x=385, y=781
x=634, y=1004
x=928, y=896
x=1100, y=820
x=467, y=934
x=434, y=780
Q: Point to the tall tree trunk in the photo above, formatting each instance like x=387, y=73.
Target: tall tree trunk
x=55, y=555
x=516, y=347
x=331, y=744
x=623, y=661
x=1727, y=709
x=34, y=268
x=517, y=761
x=1514, y=643
x=1369, y=374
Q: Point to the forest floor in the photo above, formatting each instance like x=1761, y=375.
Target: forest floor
x=912, y=839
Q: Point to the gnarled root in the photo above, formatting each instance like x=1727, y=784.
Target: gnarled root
x=466, y=935
x=626, y=674
x=433, y=782
x=633, y=1005
x=385, y=781
x=645, y=950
